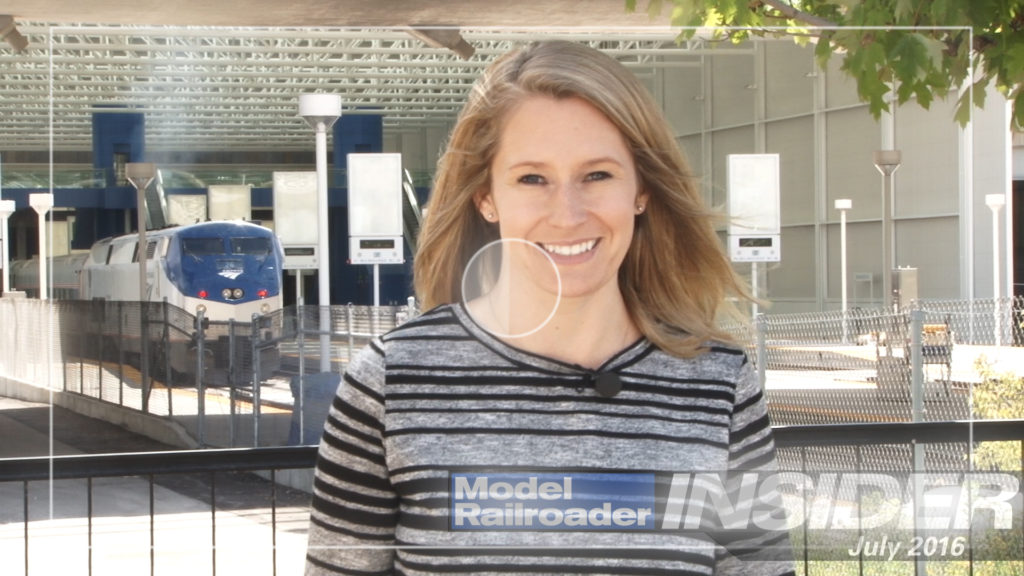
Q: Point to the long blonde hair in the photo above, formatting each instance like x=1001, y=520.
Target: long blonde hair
x=675, y=277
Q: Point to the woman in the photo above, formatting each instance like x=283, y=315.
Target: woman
x=591, y=353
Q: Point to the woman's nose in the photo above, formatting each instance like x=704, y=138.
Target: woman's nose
x=567, y=206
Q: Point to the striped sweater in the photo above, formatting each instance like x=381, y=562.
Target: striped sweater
x=438, y=394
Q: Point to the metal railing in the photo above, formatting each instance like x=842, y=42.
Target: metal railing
x=259, y=383
x=203, y=511
x=225, y=384
x=918, y=364
x=862, y=390
x=225, y=484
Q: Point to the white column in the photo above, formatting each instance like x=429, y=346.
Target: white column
x=843, y=204
x=995, y=202
x=6, y=209
x=887, y=162
x=42, y=202
x=140, y=175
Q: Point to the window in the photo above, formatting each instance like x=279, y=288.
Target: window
x=255, y=246
x=199, y=247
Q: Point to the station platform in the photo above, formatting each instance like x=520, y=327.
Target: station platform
x=185, y=535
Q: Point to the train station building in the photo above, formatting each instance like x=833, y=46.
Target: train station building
x=145, y=438
x=218, y=106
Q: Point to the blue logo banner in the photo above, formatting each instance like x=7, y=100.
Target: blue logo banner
x=552, y=501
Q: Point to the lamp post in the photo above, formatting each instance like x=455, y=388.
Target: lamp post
x=843, y=204
x=887, y=162
x=995, y=202
x=41, y=203
x=6, y=209
x=140, y=175
x=321, y=111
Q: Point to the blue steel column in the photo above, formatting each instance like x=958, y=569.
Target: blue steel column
x=353, y=133
x=115, y=135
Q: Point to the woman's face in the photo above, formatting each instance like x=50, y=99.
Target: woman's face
x=563, y=179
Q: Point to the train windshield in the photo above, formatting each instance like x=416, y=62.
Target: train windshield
x=254, y=246
x=199, y=247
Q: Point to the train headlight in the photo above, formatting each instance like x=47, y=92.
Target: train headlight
x=226, y=293
x=237, y=294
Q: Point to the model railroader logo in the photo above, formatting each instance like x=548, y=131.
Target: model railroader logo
x=578, y=501
x=837, y=515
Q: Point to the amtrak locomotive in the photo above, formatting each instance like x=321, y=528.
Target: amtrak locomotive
x=229, y=270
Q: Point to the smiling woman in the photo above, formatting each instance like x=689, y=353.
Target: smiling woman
x=561, y=159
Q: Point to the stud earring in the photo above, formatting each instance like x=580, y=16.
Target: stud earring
x=640, y=208
x=489, y=216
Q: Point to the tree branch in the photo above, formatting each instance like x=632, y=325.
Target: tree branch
x=795, y=14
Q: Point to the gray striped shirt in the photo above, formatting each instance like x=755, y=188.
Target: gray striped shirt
x=439, y=394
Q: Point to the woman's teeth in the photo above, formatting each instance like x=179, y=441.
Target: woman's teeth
x=570, y=249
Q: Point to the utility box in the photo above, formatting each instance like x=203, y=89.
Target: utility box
x=904, y=287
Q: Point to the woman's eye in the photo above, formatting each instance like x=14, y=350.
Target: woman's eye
x=599, y=175
x=531, y=179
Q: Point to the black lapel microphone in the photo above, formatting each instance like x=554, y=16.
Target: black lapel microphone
x=607, y=384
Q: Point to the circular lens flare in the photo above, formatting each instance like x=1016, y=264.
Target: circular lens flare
x=511, y=288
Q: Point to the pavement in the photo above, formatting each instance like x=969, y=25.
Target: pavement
x=183, y=536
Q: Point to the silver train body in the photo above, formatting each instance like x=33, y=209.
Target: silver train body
x=230, y=271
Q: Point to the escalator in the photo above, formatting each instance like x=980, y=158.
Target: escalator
x=412, y=216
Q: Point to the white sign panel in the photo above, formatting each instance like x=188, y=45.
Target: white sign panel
x=185, y=209
x=754, y=194
x=755, y=248
x=229, y=202
x=375, y=208
x=754, y=208
x=295, y=218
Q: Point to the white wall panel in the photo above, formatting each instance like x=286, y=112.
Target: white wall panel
x=683, y=104
x=723, y=143
x=840, y=90
x=864, y=256
x=931, y=246
x=732, y=89
x=793, y=141
x=789, y=71
x=794, y=275
x=927, y=182
x=851, y=137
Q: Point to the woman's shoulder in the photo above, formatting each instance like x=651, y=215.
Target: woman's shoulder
x=715, y=359
x=437, y=321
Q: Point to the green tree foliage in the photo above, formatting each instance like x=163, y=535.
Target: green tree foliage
x=916, y=49
x=998, y=396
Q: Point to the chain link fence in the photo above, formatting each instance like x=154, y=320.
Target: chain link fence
x=936, y=361
x=269, y=381
x=225, y=384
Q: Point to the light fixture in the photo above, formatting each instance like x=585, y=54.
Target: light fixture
x=9, y=32
x=444, y=37
x=321, y=111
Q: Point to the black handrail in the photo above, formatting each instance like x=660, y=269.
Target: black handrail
x=168, y=462
x=881, y=433
x=292, y=457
